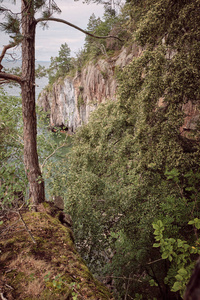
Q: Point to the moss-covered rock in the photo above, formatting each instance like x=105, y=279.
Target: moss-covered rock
x=50, y=268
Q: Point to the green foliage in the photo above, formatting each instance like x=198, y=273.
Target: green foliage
x=53, y=149
x=179, y=253
x=40, y=71
x=58, y=283
x=110, y=25
x=60, y=65
x=12, y=24
x=132, y=165
x=13, y=181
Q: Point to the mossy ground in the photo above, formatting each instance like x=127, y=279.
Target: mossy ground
x=49, y=269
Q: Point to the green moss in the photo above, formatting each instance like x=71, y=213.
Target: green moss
x=54, y=254
x=46, y=204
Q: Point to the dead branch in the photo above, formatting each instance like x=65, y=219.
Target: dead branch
x=29, y=232
x=152, y=262
x=5, y=48
x=2, y=297
x=24, y=223
x=18, y=140
x=8, y=227
x=6, y=77
x=63, y=145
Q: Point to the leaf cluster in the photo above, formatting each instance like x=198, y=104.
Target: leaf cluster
x=13, y=180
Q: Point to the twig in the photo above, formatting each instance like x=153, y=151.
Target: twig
x=10, y=287
x=7, y=228
x=125, y=298
x=63, y=145
x=5, y=48
x=152, y=262
x=3, y=81
x=2, y=297
x=125, y=278
x=17, y=140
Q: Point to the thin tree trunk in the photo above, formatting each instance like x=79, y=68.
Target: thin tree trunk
x=36, y=183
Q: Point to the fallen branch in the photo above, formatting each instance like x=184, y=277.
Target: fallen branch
x=29, y=232
x=8, y=227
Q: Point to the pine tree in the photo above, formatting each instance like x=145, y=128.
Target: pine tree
x=21, y=29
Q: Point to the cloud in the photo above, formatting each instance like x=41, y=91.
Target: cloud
x=48, y=41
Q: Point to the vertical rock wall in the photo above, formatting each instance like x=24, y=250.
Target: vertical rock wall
x=70, y=101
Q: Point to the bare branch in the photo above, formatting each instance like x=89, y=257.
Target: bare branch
x=3, y=81
x=8, y=77
x=5, y=48
x=2, y=297
x=29, y=232
x=152, y=262
x=50, y=155
x=76, y=27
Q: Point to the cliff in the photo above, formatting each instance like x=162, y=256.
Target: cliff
x=70, y=101
x=39, y=260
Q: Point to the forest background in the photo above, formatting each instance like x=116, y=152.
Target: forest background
x=130, y=177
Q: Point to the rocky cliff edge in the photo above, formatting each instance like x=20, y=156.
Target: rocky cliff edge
x=39, y=261
x=70, y=101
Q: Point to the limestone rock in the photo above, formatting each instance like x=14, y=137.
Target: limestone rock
x=71, y=101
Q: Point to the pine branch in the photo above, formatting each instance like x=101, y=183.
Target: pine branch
x=6, y=77
x=5, y=48
x=9, y=77
x=78, y=28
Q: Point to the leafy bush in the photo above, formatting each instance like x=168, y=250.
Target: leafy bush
x=132, y=165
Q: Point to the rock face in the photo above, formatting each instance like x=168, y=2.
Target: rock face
x=70, y=102
x=59, y=102
x=41, y=262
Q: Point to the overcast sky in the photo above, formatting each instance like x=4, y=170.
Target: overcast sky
x=48, y=41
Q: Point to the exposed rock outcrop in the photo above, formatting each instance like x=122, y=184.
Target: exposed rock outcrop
x=71, y=100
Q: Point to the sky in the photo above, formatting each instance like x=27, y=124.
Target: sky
x=48, y=41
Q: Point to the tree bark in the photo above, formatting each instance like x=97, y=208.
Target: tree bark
x=36, y=183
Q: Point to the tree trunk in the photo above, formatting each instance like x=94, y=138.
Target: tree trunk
x=36, y=183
